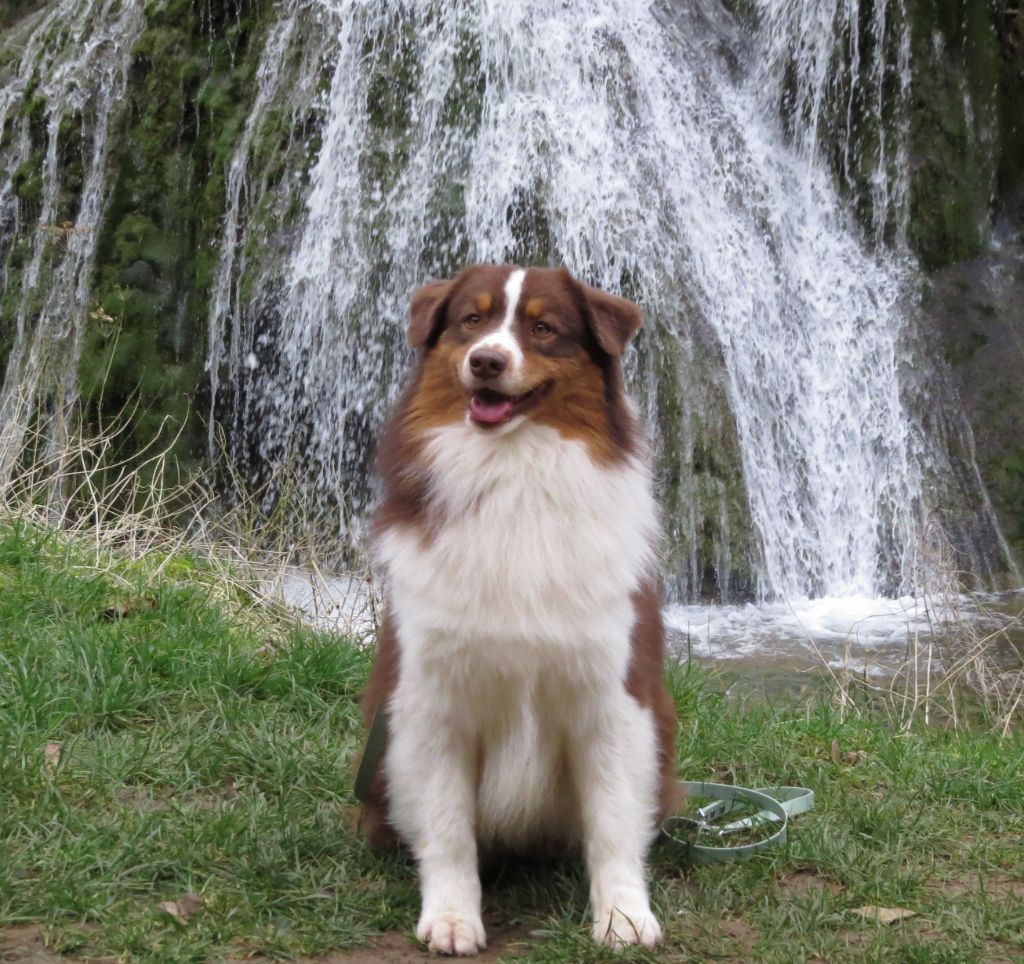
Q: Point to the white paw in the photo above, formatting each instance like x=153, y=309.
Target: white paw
x=626, y=924
x=449, y=932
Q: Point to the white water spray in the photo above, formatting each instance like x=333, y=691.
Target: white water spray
x=643, y=148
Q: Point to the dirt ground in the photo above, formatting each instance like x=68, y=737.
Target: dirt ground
x=396, y=947
x=27, y=945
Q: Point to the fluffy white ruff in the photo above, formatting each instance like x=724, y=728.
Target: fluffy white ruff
x=510, y=722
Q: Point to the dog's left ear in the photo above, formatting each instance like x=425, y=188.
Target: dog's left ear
x=426, y=312
x=613, y=320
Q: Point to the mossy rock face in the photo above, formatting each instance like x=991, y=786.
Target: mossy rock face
x=966, y=126
x=977, y=310
x=709, y=544
x=954, y=128
x=189, y=93
x=13, y=10
x=192, y=82
x=1008, y=18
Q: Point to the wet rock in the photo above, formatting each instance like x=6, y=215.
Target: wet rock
x=977, y=310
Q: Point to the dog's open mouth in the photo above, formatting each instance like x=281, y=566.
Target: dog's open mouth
x=488, y=407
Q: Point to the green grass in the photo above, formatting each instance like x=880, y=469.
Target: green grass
x=192, y=759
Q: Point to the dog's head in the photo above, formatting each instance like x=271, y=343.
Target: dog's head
x=503, y=345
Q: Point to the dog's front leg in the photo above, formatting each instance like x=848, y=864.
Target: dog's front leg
x=431, y=781
x=616, y=774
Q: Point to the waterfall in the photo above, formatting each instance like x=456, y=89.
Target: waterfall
x=644, y=148
x=745, y=179
x=58, y=93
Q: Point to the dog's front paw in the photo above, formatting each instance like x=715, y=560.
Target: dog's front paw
x=626, y=923
x=449, y=932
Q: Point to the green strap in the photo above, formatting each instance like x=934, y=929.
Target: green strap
x=678, y=835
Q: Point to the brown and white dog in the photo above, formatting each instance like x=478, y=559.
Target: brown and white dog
x=520, y=660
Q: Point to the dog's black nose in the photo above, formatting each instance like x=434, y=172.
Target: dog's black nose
x=486, y=363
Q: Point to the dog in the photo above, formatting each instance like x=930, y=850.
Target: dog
x=520, y=655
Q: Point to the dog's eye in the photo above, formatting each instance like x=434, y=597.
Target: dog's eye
x=471, y=321
x=541, y=329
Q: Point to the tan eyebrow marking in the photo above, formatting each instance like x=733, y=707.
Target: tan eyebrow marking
x=534, y=307
x=484, y=302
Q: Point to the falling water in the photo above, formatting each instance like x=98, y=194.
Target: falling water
x=57, y=97
x=845, y=91
x=644, y=148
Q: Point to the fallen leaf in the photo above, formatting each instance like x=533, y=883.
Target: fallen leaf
x=51, y=756
x=835, y=752
x=884, y=915
x=183, y=909
x=853, y=757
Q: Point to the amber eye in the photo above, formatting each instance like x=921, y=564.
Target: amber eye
x=471, y=321
x=541, y=329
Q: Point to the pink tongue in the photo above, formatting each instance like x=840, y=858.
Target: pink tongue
x=488, y=411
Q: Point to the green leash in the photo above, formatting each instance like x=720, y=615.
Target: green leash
x=681, y=836
x=373, y=756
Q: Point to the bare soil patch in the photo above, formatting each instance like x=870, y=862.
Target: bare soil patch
x=999, y=886
x=26, y=944
x=504, y=941
x=805, y=882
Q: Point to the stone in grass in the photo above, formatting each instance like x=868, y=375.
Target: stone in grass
x=183, y=909
x=51, y=756
x=884, y=915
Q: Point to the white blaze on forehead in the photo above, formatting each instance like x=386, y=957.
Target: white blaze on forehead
x=513, y=289
x=502, y=338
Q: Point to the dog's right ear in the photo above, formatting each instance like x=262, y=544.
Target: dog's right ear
x=427, y=312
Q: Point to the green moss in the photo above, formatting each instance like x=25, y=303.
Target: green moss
x=1009, y=479
x=966, y=347
x=391, y=84
x=71, y=164
x=28, y=181
x=464, y=99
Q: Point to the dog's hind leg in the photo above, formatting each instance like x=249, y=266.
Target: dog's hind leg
x=431, y=782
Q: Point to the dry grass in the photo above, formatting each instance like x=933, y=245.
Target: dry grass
x=146, y=506
x=966, y=668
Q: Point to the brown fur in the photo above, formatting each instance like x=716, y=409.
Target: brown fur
x=646, y=684
x=381, y=684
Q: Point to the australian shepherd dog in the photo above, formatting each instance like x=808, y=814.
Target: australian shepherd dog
x=520, y=658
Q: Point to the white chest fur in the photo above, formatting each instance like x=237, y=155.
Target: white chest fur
x=535, y=546
x=514, y=619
